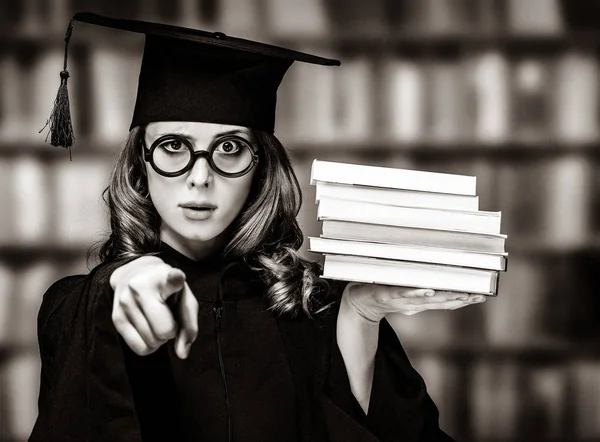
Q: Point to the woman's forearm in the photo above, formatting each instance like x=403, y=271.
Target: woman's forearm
x=357, y=339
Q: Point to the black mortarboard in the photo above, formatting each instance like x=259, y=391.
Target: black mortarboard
x=193, y=75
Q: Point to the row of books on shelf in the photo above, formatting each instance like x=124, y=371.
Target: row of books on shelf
x=21, y=292
x=552, y=202
x=406, y=227
x=485, y=98
x=52, y=203
x=309, y=18
x=504, y=402
x=539, y=307
x=509, y=402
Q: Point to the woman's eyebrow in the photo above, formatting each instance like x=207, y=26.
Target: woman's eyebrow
x=233, y=132
x=193, y=139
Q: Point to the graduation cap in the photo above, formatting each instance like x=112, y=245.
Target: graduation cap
x=192, y=75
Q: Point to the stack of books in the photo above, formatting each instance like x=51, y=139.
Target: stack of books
x=406, y=228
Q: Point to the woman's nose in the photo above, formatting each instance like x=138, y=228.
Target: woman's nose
x=201, y=173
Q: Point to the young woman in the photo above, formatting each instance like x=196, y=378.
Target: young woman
x=202, y=321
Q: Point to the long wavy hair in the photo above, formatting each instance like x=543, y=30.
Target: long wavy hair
x=265, y=234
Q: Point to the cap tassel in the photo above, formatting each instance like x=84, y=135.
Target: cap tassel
x=61, y=127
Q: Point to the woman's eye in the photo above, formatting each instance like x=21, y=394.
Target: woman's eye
x=229, y=146
x=171, y=145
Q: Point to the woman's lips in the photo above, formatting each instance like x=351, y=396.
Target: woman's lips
x=198, y=213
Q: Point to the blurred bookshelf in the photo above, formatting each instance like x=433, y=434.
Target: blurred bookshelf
x=506, y=90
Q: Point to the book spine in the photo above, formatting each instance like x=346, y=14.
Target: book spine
x=387, y=177
x=415, y=276
x=431, y=255
x=403, y=100
x=371, y=213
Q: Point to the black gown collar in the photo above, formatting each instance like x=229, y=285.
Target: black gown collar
x=209, y=275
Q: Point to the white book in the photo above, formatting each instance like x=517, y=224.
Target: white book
x=410, y=274
x=567, y=201
x=190, y=14
x=586, y=391
x=396, y=197
x=372, y=213
x=33, y=23
x=59, y=9
x=353, y=86
x=446, y=114
x=241, y=18
x=13, y=124
x=414, y=236
x=442, y=378
x=547, y=398
x=7, y=220
x=496, y=418
x=532, y=90
x=523, y=286
x=30, y=285
x=291, y=18
x=535, y=17
x=81, y=214
x=30, y=194
x=7, y=299
x=404, y=100
x=431, y=255
x=20, y=378
x=114, y=76
x=576, y=118
x=489, y=78
x=313, y=104
x=394, y=178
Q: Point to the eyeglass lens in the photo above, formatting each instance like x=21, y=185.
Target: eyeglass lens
x=229, y=155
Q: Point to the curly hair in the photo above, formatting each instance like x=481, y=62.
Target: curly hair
x=265, y=234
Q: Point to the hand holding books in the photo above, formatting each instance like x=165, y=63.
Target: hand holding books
x=374, y=301
x=406, y=228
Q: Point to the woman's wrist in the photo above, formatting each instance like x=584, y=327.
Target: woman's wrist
x=356, y=313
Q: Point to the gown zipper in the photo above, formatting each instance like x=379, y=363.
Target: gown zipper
x=218, y=312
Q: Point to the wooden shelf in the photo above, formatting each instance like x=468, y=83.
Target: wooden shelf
x=511, y=150
x=530, y=353
x=373, y=41
x=24, y=253
x=8, y=351
x=537, y=246
x=82, y=148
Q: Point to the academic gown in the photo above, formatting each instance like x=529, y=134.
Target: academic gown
x=250, y=375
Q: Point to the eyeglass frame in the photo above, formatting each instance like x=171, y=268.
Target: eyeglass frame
x=196, y=154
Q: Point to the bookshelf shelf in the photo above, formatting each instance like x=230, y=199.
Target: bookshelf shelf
x=57, y=252
x=526, y=354
x=7, y=351
x=528, y=246
x=470, y=149
x=42, y=150
x=378, y=40
x=436, y=150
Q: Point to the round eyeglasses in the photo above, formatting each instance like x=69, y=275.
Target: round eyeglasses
x=173, y=155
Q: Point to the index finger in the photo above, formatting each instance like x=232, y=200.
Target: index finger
x=188, y=320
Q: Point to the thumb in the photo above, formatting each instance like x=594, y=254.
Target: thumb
x=172, y=284
x=188, y=322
